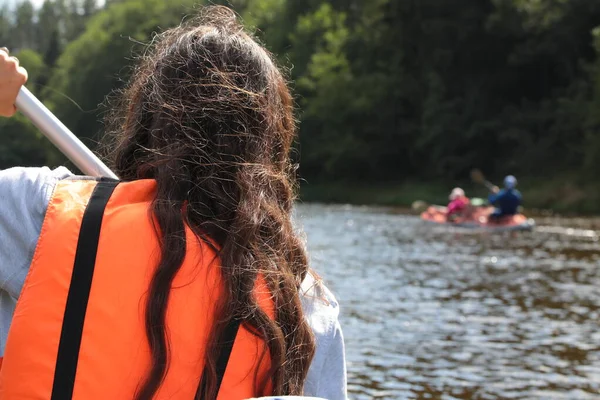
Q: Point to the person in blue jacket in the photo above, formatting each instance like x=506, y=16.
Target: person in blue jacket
x=507, y=200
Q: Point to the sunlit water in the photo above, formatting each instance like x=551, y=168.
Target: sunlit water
x=434, y=313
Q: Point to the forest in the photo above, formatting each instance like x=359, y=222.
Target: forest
x=390, y=94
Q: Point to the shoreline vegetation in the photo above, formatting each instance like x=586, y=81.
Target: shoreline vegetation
x=563, y=196
x=410, y=94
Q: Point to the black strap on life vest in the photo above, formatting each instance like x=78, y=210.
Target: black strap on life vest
x=79, y=293
x=226, y=344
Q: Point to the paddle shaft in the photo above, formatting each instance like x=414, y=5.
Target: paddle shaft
x=489, y=185
x=478, y=177
x=61, y=136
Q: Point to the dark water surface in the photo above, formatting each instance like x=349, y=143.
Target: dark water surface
x=436, y=313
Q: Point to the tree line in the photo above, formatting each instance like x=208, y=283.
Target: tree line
x=386, y=89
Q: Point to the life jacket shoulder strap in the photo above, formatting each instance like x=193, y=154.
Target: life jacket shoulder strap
x=79, y=293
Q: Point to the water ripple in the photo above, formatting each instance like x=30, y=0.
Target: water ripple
x=437, y=313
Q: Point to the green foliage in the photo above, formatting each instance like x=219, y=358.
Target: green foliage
x=98, y=60
x=22, y=144
x=387, y=90
x=36, y=69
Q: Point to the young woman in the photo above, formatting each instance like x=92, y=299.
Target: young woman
x=185, y=279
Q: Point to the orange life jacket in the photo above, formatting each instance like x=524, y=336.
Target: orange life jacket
x=78, y=330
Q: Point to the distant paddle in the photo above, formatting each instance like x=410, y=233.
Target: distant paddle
x=419, y=206
x=478, y=202
x=478, y=177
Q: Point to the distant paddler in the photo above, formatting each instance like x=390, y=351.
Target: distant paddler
x=506, y=201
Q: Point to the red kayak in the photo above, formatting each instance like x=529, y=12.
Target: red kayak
x=478, y=218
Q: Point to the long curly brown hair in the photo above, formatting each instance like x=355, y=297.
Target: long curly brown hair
x=209, y=116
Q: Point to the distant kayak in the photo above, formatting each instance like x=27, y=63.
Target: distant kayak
x=479, y=219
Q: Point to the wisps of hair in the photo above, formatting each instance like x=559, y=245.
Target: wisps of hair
x=209, y=116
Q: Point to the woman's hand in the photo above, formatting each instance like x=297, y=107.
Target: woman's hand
x=12, y=77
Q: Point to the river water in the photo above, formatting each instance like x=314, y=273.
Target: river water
x=438, y=313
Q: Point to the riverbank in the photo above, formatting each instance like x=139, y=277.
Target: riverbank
x=564, y=196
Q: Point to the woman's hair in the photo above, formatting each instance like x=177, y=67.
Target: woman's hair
x=208, y=115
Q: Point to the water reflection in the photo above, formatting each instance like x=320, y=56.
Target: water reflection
x=437, y=313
